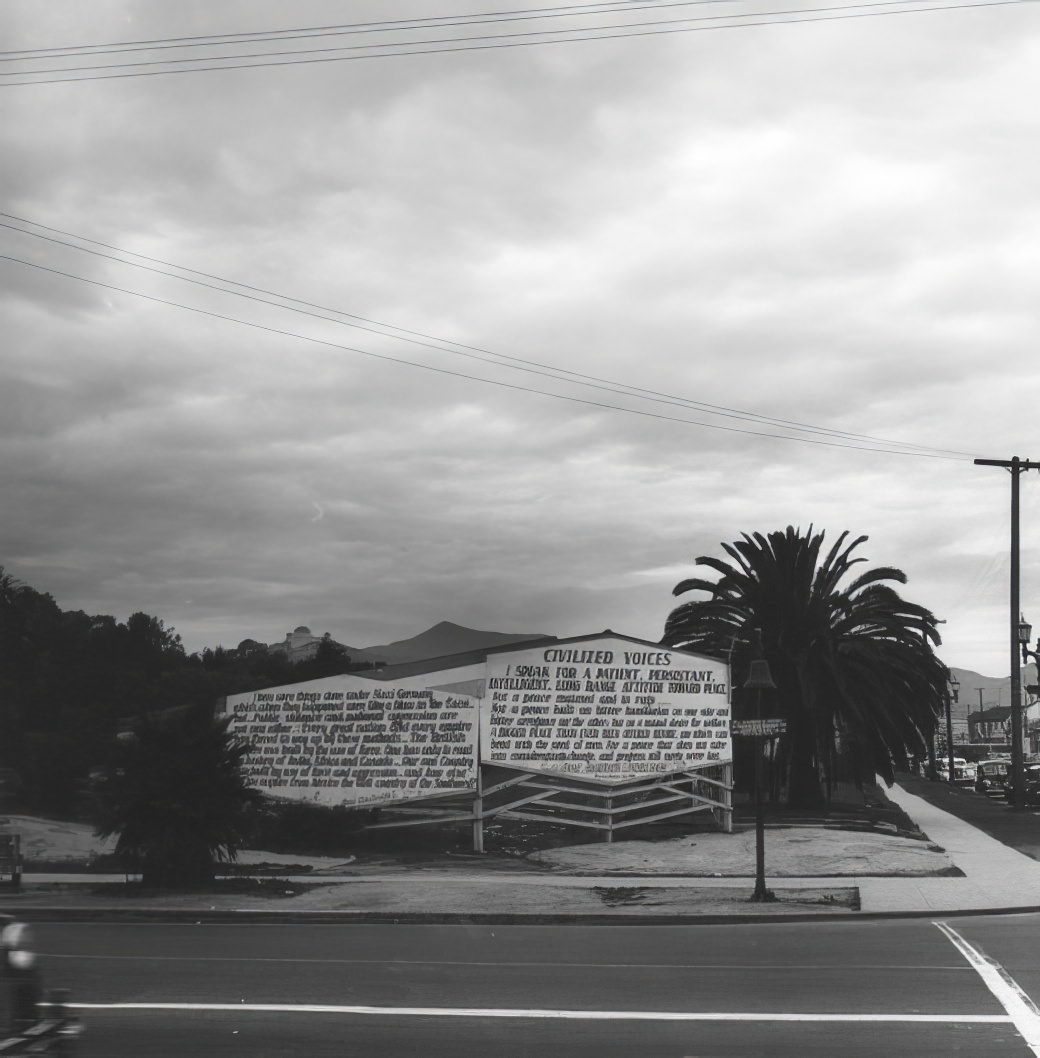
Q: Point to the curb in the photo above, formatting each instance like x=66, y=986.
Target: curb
x=347, y=918
x=404, y=918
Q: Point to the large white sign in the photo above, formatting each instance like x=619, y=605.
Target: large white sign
x=607, y=708
x=345, y=740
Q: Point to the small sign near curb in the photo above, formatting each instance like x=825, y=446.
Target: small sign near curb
x=11, y=859
x=767, y=728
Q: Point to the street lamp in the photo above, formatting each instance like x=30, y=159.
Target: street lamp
x=951, y=696
x=1025, y=630
x=759, y=679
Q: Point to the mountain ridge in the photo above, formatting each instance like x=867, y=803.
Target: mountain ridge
x=996, y=690
x=448, y=637
x=439, y=640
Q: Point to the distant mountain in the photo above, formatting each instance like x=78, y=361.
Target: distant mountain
x=441, y=639
x=449, y=638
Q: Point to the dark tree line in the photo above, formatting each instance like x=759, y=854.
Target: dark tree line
x=70, y=680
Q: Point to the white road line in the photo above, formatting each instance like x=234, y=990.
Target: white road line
x=829, y=968
x=1021, y=1009
x=522, y=1012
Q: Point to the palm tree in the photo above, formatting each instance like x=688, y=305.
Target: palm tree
x=175, y=794
x=853, y=662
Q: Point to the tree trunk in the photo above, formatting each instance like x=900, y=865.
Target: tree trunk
x=177, y=868
x=803, y=779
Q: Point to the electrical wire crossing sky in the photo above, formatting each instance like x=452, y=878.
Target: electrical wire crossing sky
x=507, y=316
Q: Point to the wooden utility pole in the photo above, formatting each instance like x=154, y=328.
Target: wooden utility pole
x=1016, y=466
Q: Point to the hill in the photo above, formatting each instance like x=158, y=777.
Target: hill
x=995, y=690
x=440, y=640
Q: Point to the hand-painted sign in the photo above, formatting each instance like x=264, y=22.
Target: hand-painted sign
x=607, y=708
x=348, y=740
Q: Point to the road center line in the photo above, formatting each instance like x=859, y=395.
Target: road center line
x=508, y=964
x=1021, y=1009
x=522, y=1012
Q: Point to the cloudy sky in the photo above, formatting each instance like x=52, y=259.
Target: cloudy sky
x=520, y=331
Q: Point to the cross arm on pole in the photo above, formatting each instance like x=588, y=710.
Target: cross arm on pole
x=1010, y=464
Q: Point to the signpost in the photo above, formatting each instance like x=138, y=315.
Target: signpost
x=764, y=728
x=759, y=679
x=11, y=858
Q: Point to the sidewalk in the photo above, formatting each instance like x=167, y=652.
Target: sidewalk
x=996, y=876
x=672, y=881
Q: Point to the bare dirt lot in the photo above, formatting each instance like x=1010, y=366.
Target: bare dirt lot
x=529, y=870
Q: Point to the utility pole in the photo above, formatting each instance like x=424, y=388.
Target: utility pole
x=1016, y=466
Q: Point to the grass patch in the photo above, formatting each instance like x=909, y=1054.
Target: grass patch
x=621, y=896
x=272, y=888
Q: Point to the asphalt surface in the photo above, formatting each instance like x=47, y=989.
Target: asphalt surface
x=855, y=988
x=842, y=984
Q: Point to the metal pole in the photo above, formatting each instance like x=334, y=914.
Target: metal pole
x=758, y=678
x=949, y=731
x=760, y=828
x=761, y=894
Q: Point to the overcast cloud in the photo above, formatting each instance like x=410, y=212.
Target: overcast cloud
x=831, y=223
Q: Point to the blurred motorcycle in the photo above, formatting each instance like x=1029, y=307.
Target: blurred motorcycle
x=31, y=1021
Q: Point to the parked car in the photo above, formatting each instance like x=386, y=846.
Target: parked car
x=1032, y=785
x=964, y=775
x=990, y=776
x=30, y=1023
x=963, y=772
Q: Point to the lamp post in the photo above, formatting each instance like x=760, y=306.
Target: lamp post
x=1025, y=630
x=951, y=696
x=759, y=679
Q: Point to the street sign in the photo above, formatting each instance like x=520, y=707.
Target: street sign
x=767, y=728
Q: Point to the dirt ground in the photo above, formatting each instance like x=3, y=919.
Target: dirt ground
x=695, y=874
x=806, y=850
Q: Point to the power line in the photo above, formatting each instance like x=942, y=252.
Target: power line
x=477, y=378
x=500, y=41
x=621, y=388
x=310, y=32
x=441, y=344
x=443, y=40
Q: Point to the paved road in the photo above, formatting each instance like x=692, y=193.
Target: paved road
x=819, y=989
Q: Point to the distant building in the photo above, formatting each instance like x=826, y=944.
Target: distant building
x=990, y=725
x=299, y=645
